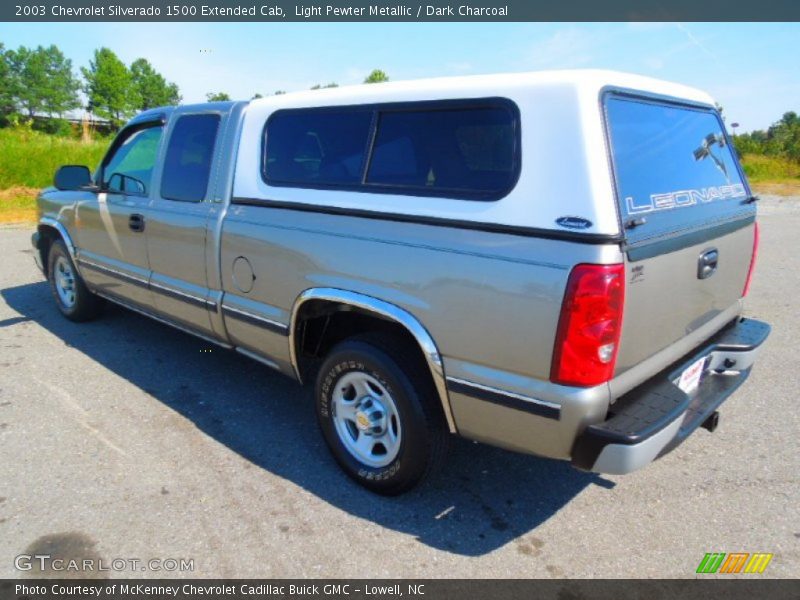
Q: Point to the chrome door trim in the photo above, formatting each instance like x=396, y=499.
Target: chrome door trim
x=133, y=279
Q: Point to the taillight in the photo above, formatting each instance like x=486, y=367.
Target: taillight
x=589, y=327
x=756, y=236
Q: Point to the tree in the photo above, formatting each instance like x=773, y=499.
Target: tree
x=332, y=84
x=110, y=87
x=256, y=96
x=782, y=139
x=377, y=76
x=217, y=97
x=151, y=87
x=60, y=94
x=41, y=81
x=279, y=93
x=6, y=82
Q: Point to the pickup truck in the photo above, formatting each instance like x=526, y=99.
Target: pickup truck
x=553, y=263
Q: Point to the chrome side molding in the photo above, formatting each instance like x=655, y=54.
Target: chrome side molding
x=387, y=311
x=51, y=222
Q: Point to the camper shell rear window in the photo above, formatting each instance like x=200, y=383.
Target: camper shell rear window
x=467, y=149
x=674, y=167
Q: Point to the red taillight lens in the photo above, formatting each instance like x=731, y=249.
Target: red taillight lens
x=756, y=239
x=587, y=339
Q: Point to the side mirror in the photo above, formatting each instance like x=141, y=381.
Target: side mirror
x=72, y=177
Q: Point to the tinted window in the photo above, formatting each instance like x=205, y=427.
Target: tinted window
x=189, y=155
x=469, y=150
x=673, y=166
x=317, y=147
x=130, y=168
x=440, y=148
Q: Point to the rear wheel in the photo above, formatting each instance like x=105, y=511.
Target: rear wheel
x=378, y=413
x=72, y=297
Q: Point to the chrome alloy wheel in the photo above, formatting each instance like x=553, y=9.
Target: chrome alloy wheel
x=64, y=281
x=366, y=419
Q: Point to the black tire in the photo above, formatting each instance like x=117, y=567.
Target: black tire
x=398, y=368
x=86, y=305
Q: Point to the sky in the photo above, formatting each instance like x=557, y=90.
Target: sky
x=750, y=68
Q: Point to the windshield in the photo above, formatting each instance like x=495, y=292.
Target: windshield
x=674, y=169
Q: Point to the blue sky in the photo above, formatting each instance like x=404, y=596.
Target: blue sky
x=751, y=68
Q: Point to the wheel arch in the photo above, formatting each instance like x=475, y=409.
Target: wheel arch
x=384, y=310
x=50, y=229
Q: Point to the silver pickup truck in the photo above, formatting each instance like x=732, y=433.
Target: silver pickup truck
x=553, y=263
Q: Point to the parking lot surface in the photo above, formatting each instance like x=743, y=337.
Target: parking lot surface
x=125, y=439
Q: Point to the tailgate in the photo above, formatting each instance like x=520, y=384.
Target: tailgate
x=688, y=219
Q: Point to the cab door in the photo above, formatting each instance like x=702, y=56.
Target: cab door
x=112, y=248
x=178, y=219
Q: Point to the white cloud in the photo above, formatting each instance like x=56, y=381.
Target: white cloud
x=565, y=49
x=695, y=41
x=688, y=42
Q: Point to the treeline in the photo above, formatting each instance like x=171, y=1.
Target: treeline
x=41, y=81
x=781, y=140
x=376, y=76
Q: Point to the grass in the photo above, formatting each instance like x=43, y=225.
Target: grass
x=770, y=175
x=769, y=168
x=18, y=205
x=28, y=160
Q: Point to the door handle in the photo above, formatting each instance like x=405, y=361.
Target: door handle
x=136, y=222
x=707, y=263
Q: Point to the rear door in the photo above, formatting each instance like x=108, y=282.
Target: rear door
x=688, y=219
x=178, y=217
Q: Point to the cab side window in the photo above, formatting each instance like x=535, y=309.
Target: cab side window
x=129, y=170
x=187, y=166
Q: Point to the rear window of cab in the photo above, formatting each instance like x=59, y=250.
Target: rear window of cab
x=465, y=149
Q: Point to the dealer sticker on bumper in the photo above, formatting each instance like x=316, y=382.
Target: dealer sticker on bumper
x=690, y=378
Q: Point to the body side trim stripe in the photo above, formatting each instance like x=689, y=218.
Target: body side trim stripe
x=129, y=304
x=580, y=238
x=527, y=404
x=141, y=282
x=190, y=298
x=257, y=320
x=133, y=279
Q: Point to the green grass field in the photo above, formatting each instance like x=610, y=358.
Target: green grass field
x=29, y=158
x=769, y=169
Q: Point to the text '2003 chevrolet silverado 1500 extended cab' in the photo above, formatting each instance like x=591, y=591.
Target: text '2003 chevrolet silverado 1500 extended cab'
x=553, y=263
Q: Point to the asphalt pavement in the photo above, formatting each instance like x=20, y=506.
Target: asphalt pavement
x=125, y=439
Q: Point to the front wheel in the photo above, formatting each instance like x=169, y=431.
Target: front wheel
x=72, y=297
x=378, y=413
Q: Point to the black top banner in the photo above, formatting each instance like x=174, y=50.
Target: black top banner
x=385, y=11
